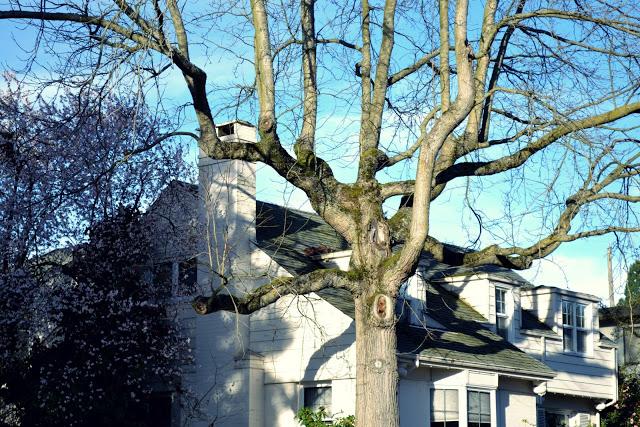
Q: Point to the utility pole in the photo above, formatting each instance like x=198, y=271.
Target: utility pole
x=610, y=277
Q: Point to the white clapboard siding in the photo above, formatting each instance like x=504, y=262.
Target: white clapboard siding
x=304, y=339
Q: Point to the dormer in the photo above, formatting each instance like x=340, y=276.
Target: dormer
x=573, y=316
x=412, y=305
x=494, y=293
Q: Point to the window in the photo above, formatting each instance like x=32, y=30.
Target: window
x=574, y=327
x=318, y=397
x=444, y=408
x=556, y=419
x=502, y=320
x=163, y=277
x=188, y=277
x=479, y=409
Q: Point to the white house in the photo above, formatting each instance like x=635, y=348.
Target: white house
x=476, y=347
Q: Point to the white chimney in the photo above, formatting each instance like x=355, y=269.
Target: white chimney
x=227, y=191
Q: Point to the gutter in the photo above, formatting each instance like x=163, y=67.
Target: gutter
x=480, y=367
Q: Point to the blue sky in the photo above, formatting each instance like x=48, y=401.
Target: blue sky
x=581, y=265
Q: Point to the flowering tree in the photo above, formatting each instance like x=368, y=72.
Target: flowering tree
x=107, y=341
x=625, y=412
x=81, y=329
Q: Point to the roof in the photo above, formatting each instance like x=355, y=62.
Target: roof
x=491, y=271
x=617, y=315
x=466, y=342
x=531, y=324
x=606, y=341
x=545, y=289
x=291, y=237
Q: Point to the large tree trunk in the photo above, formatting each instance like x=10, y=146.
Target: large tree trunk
x=376, y=363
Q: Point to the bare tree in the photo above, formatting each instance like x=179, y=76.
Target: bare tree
x=535, y=98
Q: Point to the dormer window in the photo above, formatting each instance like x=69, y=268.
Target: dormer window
x=574, y=330
x=502, y=319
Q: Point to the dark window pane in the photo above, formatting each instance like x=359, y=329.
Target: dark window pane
x=580, y=315
x=159, y=410
x=567, y=336
x=502, y=327
x=318, y=397
x=581, y=338
x=501, y=301
x=555, y=420
x=163, y=278
x=567, y=313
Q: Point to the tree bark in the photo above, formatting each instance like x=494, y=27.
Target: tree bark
x=376, y=365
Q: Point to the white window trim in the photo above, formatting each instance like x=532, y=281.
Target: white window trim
x=588, y=328
x=462, y=402
x=492, y=402
x=508, y=308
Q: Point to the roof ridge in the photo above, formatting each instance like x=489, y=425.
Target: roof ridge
x=299, y=211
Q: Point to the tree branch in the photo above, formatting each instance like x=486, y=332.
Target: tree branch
x=519, y=157
x=271, y=292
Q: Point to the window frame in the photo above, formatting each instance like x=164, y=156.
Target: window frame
x=316, y=385
x=572, y=325
x=432, y=390
x=504, y=314
x=492, y=404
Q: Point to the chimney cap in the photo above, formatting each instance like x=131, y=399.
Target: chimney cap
x=238, y=130
x=241, y=122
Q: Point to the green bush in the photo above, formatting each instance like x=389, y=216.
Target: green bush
x=308, y=418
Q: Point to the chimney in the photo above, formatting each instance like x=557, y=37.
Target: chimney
x=227, y=192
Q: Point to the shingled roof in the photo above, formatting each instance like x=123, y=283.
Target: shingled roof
x=291, y=236
x=465, y=342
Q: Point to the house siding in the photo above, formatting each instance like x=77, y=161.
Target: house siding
x=299, y=345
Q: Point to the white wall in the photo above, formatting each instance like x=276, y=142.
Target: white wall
x=513, y=401
x=304, y=338
x=516, y=403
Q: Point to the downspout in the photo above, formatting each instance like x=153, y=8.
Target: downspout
x=603, y=405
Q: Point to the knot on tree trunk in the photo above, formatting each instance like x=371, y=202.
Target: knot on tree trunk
x=379, y=236
x=382, y=308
